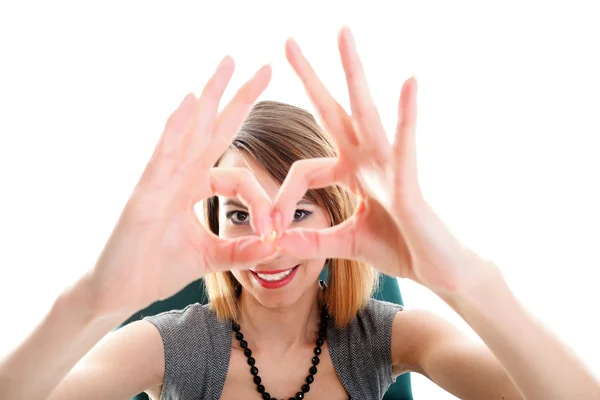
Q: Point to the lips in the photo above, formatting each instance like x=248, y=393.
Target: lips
x=274, y=279
x=274, y=276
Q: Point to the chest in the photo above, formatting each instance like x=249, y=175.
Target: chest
x=282, y=376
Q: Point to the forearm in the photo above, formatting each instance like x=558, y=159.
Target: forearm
x=67, y=333
x=538, y=363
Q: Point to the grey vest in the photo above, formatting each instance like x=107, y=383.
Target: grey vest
x=197, y=350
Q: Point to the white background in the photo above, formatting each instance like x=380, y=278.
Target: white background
x=507, y=136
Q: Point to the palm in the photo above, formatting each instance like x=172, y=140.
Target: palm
x=393, y=229
x=385, y=248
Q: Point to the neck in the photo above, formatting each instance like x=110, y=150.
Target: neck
x=280, y=328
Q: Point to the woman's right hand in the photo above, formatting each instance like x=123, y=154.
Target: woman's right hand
x=158, y=245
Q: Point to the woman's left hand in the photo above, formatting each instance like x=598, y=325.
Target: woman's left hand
x=393, y=228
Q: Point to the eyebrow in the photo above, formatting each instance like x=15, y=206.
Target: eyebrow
x=235, y=203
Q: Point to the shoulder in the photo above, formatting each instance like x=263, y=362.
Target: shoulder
x=196, y=345
x=187, y=317
x=134, y=352
x=194, y=310
x=372, y=326
x=187, y=328
x=378, y=309
x=414, y=331
x=361, y=350
x=376, y=317
x=373, y=323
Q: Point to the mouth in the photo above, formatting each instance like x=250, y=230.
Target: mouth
x=275, y=279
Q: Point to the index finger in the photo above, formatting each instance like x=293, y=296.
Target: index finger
x=334, y=117
x=220, y=133
x=305, y=174
x=364, y=111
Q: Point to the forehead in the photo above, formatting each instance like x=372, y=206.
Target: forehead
x=232, y=159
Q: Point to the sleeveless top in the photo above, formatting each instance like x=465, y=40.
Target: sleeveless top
x=197, y=349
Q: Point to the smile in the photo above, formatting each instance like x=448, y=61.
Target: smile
x=274, y=279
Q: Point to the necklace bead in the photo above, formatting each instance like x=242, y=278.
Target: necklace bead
x=321, y=336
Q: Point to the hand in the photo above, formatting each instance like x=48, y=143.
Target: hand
x=158, y=245
x=393, y=228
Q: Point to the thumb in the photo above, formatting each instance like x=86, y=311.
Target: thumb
x=335, y=242
x=242, y=252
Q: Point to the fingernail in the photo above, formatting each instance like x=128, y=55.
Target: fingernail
x=186, y=99
x=270, y=233
x=264, y=68
x=226, y=59
x=292, y=42
x=269, y=236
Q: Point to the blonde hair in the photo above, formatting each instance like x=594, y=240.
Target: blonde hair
x=276, y=135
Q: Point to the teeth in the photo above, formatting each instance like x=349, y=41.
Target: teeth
x=275, y=277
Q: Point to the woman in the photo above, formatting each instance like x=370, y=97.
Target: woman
x=262, y=270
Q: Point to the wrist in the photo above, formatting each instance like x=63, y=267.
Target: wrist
x=484, y=286
x=81, y=300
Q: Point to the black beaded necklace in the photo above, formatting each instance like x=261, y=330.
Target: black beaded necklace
x=322, y=335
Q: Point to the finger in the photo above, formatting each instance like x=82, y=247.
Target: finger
x=242, y=252
x=241, y=183
x=371, y=132
x=303, y=175
x=198, y=135
x=404, y=148
x=336, y=242
x=334, y=117
x=236, y=111
x=165, y=158
x=177, y=124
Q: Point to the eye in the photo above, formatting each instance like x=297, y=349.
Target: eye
x=238, y=217
x=300, y=215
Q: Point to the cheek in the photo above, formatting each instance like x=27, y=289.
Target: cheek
x=314, y=267
x=318, y=263
x=237, y=275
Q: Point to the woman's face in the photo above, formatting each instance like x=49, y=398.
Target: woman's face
x=282, y=281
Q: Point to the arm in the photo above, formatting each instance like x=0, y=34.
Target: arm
x=396, y=230
x=130, y=361
x=520, y=358
x=423, y=342
x=112, y=370
x=157, y=248
x=540, y=365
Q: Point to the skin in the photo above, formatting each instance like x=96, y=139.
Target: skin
x=280, y=324
x=306, y=215
x=158, y=246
